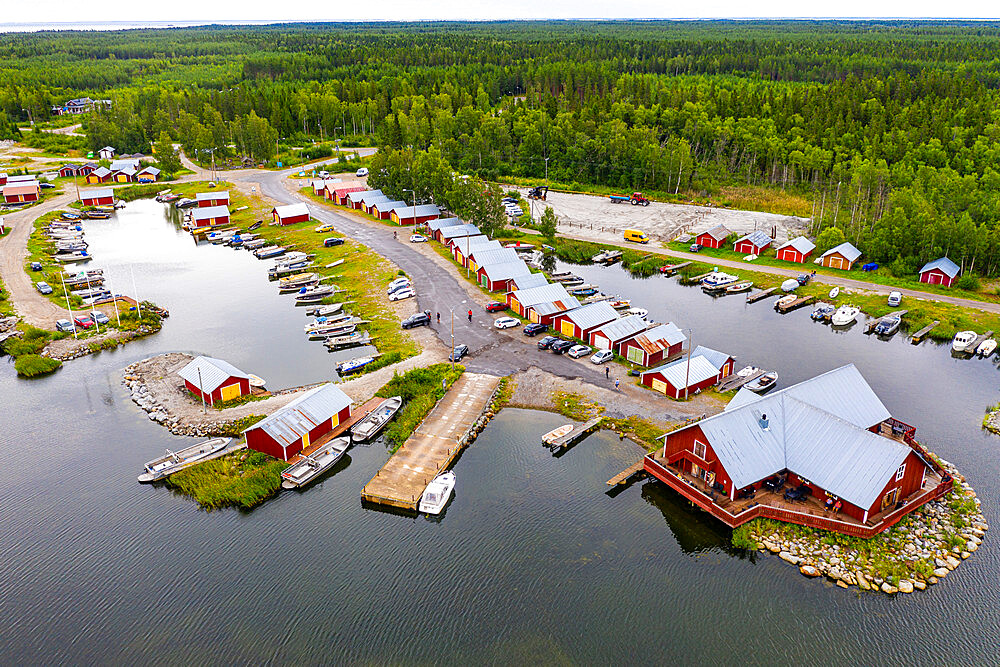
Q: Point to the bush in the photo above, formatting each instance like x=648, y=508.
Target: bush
x=968, y=282
x=32, y=365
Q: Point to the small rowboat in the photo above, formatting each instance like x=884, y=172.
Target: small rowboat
x=834, y=292
x=556, y=433
x=171, y=462
x=785, y=301
x=762, y=383
x=621, y=304
x=313, y=465
x=744, y=286
x=355, y=339
x=376, y=420
x=353, y=365
x=256, y=381
x=986, y=348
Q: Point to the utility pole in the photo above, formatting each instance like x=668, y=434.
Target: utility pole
x=687, y=375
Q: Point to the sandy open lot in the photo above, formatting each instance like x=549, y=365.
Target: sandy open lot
x=661, y=222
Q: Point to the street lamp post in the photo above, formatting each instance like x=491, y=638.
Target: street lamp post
x=452, y=311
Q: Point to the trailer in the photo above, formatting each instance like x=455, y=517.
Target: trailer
x=636, y=199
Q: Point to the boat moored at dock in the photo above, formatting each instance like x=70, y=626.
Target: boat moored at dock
x=171, y=462
x=963, y=340
x=312, y=466
x=845, y=316
x=437, y=493
x=376, y=420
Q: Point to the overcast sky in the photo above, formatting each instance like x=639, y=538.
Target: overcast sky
x=240, y=10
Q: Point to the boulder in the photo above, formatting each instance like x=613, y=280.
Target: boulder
x=862, y=581
x=919, y=585
x=971, y=546
x=965, y=554
x=941, y=572
x=809, y=571
x=932, y=580
x=888, y=589
x=789, y=558
x=905, y=586
x=951, y=562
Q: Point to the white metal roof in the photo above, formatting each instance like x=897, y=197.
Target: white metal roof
x=213, y=373
x=592, y=315
x=458, y=231
x=623, y=328
x=471, y=244
x=530, y=280
x=208, y=212
x=679, y=375
x=441, y=223
x=359, y=195
x=801, y=244
x=718, y=232
x=556, y=306
x=485, y=255
x=122, y=164
x=419, y=211
x=388, y=204
x=845, y=250
x=717, y=359
x=96, y=193
x=291, y=210
x=550, y=292
x=211, y=196
x=506, y=270
x=291, y=422
x=659, y=338
x=945, y=265
x=758, y=238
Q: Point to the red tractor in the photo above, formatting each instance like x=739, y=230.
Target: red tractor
x=637, y=199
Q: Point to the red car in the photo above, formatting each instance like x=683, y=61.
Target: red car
x=83, y=321
x=495, y=306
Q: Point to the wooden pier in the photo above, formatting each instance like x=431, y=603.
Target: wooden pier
x=979, y=341
x=433, y=446
x=694, y=280
x=627, y=475
x=674, y=268
x=734, y=381
x=577, y=434
x=798, y=303
x=870, y=325
x=357, y=414
x=760, y=294
x=919, y=336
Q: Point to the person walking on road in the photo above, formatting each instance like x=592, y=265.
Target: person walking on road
x=607, y=372
x=439, y=318
x=616, y=384
x=470, y=314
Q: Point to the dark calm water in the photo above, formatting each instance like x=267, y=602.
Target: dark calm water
x=531, y=562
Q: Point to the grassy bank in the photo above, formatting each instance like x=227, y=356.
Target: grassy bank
x=33, y=365
x=421, y=389
x=578, y=408
x=242, y=479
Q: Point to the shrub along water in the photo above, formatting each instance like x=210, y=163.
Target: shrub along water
x=245, y=479
x=32, y=365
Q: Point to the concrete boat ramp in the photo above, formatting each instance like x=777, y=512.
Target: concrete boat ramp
x=433, y=446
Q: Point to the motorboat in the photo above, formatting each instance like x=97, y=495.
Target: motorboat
x=254, y=244
x=612, y=256
x=823, y=311
x=292, y=258
x=834, y=292
x=785, y=301
x=641, y=312
x=297, y=280
x=288, y=289
x=437, y=493
x=599, y=257
x=185, y=202
x=571, y=282
x=986, y=348
x=354, y=339
x=70, y=215
x=73, y=257
x=171, y=462
x=269, y=252
x=555, y=434
x=221, y=236
x=314, y=294
x=93, y=294
x=311, y=466
x=790, y=285
x=97, y=215
x=887, y=326
x=584, y=291
x=326, y=322
x=761, y=384
x=341, y=329
x=353, y=365
x=376, y=420
x=845, y=315
x=325, y=311
x=747, y=371
x=962, y=341
x=743, y=286
x=718, y=280
x=621, y=304
x=285, y=269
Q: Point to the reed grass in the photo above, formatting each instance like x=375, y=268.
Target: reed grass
x=33, y=365
x=242, y=479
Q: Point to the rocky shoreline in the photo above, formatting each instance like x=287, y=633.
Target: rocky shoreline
x=925, y=547
x=66, y=349
x=992, y=421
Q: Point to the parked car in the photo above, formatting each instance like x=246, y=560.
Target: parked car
x=546, y=342
x=505, y=322
x=325, y=227
x=695, y=247
x=399, y=295
x=324, y=174
x=895, y=298
x=496, y=306
x=535, y=328
x=419, y=320
x=99, y=317
x=83, y=321
x=36, y=266
x=332, y=241
x=362, y=172
x=402, y=280
x=602, y=357
x=578, y=351
x=398, y=288
x=459, y=352
x=65, y=325
x=417, y=238
x=43, y=287
x=46, y=186
x=561, y=346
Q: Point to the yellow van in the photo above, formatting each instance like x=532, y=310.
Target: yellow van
x=637, y=236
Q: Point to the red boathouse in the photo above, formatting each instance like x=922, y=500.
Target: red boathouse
x=714, y=237
x=291, y=214
x=796, y=250
x=215, y=380
x=939, y=272
x=301, y=423
x=97, y=197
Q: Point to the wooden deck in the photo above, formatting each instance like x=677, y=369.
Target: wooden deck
x=628, y=474
x=760, y=294
x=574, y=436
x=357, y=414
x=919, y=336
x=734, y=381
x=433, y=446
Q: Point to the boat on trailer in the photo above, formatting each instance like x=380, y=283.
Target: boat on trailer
x=311, y=466
x=171, y=462
x=376, y=420
x=437, y=493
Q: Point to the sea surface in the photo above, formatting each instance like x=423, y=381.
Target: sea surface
x=532, y=561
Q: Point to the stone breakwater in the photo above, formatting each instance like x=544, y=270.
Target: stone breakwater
x=66, y=349
x=992, y=422
x=912, y=555
x=158, y=413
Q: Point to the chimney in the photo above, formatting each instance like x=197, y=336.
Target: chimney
x=763, y=422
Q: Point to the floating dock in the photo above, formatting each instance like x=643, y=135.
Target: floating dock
x=627, y=475
x=760, y=294
x=734, y=381
x=433, y=446
x=870, y=325
x=798, y=303
x=919, y=336
x=577, y=434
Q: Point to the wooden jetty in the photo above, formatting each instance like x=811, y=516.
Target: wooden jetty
x=433, y=446
x=979, y=341
x=625, y=476
x=693, y=280
x=798, y=303
x=577, y=434
x=870, y=325
x=734, y=381
x=760, y=294
x=674, y=268
x=919, y=336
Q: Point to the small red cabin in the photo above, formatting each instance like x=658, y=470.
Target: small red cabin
x=685, y=377
x=212, y=216
x=612, y=335
x=215, y=380
x=301, y=423
x=941, y=271
x=580, y=322
x=414, y=215
x=841, y=257
x=654, y=346
x=97, y=197
x=68, y=170
x=714, y=237
x=206, y=199
x=753, y=243
x=291, y=214
x=796, y=250
x=497, y=277
x=19, y=193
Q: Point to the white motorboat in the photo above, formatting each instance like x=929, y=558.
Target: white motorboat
x=437, y=493
x=171, y=462
x=641, y=312
x=313, y=465
x=834, y=292
x=986, y=348
x=718, y=279
x=790, y=285
x=324, y=311
x=962, y=341
x=556, y=433
x=747, y=371
x=845, y=316
x=326, y=322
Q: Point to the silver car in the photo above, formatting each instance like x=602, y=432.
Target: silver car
x=602, y=357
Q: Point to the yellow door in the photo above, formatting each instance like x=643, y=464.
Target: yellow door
x=515, y=305
x=660, y=386
x=305, y=441
x=566, y=328
x=533, y=316
x=231, y=392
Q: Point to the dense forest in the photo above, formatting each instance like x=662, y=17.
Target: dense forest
x=889, y=130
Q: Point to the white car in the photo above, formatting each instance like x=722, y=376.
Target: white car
x=362, y=172
x=417, y=238
x=398, y=282
x=578, y=351
x=895, y=298
x=602, y=357
x=401, y=294
x=399, y=288
x=506, y=322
